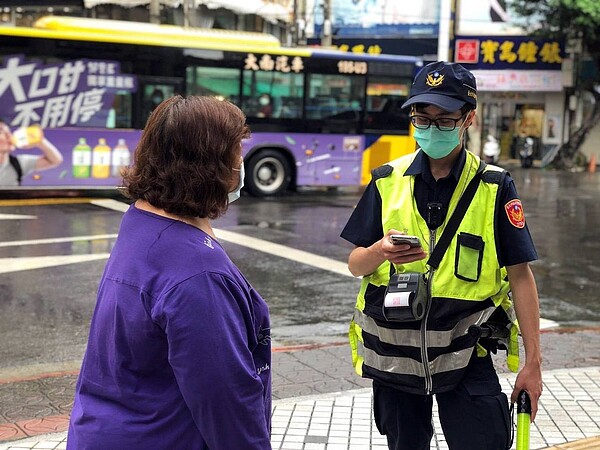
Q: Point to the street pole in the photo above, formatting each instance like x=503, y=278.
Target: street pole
x=454, y=4
x=444, y=33
x=186, y=13
x=294, y=26
x=301, y=22
x=326, y=40
x=154, y=11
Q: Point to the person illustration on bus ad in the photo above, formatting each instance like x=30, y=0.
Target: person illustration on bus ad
x=14, y=167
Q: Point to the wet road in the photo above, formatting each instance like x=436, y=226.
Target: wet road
x=52, y=255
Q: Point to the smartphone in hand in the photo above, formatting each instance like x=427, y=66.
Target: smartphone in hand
x=402, y=239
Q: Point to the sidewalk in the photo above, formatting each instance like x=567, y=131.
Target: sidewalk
x=569, y=411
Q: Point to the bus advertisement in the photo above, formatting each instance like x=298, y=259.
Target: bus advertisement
x=86, y=87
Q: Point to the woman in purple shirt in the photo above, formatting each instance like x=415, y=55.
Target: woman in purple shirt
x=179, y=352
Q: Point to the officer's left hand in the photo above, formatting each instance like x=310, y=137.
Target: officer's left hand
x=530, y=380
x=400, y=254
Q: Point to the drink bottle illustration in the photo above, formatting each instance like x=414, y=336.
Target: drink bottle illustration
x=27, y=136
x=120, y=158
x=82, y=159
x=101, y=160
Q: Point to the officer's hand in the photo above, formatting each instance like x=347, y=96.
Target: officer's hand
x=530, y=380
x=400, y=253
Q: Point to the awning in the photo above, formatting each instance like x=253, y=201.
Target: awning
x=265, y=9
x=130, y=3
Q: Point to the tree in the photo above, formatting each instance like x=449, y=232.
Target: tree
x=568, y=20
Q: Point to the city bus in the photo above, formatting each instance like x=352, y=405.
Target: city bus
x=318, y=117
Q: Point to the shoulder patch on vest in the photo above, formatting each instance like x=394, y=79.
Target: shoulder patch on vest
x=515, y=214
x=382, y=171
x=492, y=176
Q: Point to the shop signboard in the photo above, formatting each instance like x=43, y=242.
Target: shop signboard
x=519, y=80
x=509, y=52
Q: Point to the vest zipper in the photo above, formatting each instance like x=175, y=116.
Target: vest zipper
x=424, y=343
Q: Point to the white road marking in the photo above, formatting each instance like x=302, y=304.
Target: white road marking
x=39, y=262
x=108, y=203
x=94, y=237
x=546, y=323
x=300, y=256
x=281, y=251
x=319, y=262
x=16, y=217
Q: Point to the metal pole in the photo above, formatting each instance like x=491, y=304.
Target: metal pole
x=326, y=40
x=154, y=11
x=294, y=26
x=301, y=22
x=186, y=13
x=444, y=33
x=454, y=4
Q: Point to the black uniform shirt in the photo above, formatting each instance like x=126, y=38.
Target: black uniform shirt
x=364, y=227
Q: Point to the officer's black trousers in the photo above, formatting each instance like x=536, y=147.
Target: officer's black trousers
x=474, y=416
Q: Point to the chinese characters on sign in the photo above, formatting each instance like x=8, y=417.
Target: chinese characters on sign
x=70, y=93
x=269, y=63
x=509, y=53
x=519, y=80
x=361, y=48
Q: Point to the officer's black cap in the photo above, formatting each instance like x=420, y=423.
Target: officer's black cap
x=446, y=85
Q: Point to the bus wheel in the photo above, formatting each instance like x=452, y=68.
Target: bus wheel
x=267, y=173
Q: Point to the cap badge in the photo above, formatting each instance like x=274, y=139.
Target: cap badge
x=434, y=79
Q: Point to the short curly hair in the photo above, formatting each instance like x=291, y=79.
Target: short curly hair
x=184, y=160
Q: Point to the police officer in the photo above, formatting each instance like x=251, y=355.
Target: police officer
x=413, y=359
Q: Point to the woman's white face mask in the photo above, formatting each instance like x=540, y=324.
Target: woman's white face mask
x=234, y=195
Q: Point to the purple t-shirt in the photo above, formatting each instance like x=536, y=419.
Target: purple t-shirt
x=179, y=352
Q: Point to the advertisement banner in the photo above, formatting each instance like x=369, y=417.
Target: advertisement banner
x=379, y=18
x=487, y=17
x=69, y=93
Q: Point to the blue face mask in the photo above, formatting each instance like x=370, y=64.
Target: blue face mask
x=435, y=143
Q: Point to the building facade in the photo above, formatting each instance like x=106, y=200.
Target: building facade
x=265, y=16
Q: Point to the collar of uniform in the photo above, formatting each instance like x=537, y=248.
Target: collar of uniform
x=420, y=165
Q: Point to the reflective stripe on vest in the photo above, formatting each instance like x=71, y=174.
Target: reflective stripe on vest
x=412, y=338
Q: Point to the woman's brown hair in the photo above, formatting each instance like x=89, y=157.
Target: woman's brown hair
x=185, y=158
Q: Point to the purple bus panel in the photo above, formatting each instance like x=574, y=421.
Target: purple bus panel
x=93, y=157
x=321, y=159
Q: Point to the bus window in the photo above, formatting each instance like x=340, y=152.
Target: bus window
x=153, y=95
x=337, y=100
x=119, y=115
x=215, y=81
x=385, y=96
x=275, y=95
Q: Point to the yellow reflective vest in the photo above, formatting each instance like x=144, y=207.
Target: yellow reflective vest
x=430, y=355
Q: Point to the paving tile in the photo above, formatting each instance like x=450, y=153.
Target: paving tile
x=343, y=420
x=44, y=425
x=9, y=431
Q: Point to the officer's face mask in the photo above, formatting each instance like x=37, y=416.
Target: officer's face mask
x=234, y=195
x=437, y=143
